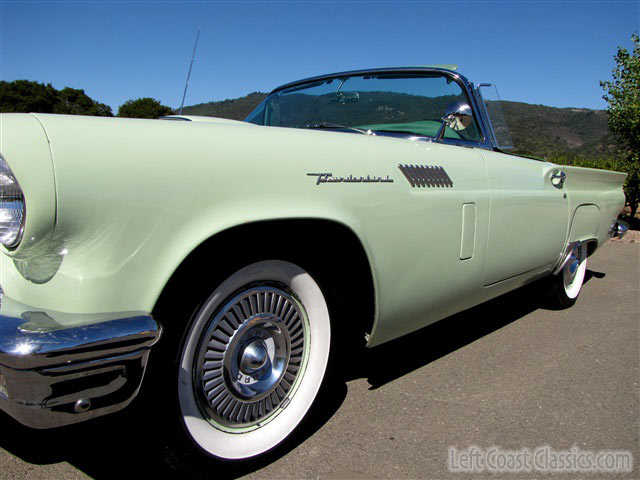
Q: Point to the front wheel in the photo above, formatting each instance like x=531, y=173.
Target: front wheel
x=253, y=360
x=566, y=285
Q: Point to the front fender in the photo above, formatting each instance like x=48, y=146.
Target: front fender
x=135, y=197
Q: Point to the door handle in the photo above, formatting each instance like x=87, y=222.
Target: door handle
x=557, y=178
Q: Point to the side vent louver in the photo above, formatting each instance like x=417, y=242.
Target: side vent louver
x=426, y=176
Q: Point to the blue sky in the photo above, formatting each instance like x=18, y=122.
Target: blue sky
x=544, y=52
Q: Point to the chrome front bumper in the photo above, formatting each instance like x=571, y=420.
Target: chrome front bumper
x=57, y=369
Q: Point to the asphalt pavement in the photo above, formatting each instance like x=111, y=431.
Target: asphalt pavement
x=506, y=376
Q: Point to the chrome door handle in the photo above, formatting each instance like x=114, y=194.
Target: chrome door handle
x=558, y=178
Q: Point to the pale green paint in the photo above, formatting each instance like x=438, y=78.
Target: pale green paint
x=588, y=186
x=135, y=197
x=529, y=217
x=586, y=221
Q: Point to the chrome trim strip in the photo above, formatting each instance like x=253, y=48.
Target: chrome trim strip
x=481, y=108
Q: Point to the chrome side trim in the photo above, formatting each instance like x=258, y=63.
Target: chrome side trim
x=54, y=374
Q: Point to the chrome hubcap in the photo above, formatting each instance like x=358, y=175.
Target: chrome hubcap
x=572, y=265
x=574, y=270
x=250, y=356
x=253, y=357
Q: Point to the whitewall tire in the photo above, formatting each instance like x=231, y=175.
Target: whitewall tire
x=574, y=271
x=567, y=284
x=253, y=360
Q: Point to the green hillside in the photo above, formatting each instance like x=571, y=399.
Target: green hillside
x=235, y=109
x=536, y=129
x=548, y=131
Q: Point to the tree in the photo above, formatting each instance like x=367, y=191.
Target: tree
x=623, y=98
x=75, y=102
x=28, y=96
x=143, y=108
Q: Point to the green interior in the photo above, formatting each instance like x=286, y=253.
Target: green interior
x=428, y=128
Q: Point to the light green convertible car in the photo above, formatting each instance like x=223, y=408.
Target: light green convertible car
x=347, y=208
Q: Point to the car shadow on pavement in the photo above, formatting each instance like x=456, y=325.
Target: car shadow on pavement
x=430, y=343
x=434, y=341
x=123, y=446
x=591, y=274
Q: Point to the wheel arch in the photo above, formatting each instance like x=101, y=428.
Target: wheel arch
x=329, y=250
x=584, y=226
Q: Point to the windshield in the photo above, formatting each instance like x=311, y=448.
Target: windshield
x=410, y=104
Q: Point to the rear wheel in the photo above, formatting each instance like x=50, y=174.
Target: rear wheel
x=567, y=284
x=253, y=360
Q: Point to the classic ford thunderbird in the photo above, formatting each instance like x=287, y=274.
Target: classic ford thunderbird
x=353, y=207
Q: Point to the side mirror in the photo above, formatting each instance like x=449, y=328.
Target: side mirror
x=458, y=116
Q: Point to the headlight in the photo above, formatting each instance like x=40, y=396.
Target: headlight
x=12, y=209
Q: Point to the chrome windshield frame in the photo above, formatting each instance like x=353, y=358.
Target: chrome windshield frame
x=491, y=134
x=480, y=114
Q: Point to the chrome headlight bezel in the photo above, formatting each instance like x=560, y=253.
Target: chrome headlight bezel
x=12, y=220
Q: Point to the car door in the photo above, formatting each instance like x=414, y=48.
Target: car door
x=528, y=216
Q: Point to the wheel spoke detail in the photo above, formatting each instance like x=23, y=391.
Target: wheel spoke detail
x=249, y=358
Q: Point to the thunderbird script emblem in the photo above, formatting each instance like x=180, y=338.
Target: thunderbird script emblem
x=329, y=178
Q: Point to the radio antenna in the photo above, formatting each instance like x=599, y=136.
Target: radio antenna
x=186, y=85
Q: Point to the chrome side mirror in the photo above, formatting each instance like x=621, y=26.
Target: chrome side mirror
x=458, y=116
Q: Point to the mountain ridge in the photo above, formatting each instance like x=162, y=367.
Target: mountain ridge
x=539, y=130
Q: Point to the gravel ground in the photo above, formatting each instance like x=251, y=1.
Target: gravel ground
x=632, y=236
